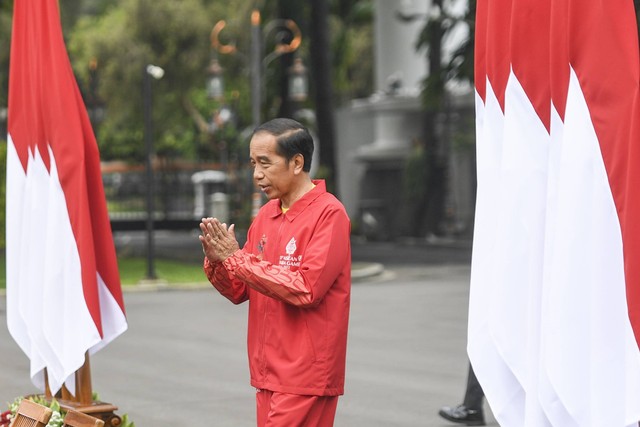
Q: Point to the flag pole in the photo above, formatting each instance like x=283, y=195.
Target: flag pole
x=83, y=401
x=84, y=391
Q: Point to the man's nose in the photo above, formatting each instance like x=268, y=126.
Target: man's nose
x=258, y=173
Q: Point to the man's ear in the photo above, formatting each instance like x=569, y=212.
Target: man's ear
x=298, y=163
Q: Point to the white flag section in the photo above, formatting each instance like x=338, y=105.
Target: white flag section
x=553, y=302
x=63, y=290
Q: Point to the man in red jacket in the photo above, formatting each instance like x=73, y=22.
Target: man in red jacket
x=295, y=269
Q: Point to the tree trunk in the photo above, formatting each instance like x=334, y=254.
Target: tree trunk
x=436, y=155
x=321, y=75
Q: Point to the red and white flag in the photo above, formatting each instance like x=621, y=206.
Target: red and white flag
x=63, y=288
x=554, y=316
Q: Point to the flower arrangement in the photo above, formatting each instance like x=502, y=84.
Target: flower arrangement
x=57, y=417
x=5, y=418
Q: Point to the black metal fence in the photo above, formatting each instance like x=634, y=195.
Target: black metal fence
x=183, y=194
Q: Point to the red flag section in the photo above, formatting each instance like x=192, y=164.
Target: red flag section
x=554, y=316
x=609, y=34
x=63, y=288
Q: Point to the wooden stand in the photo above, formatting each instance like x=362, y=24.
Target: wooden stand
x=83, y=399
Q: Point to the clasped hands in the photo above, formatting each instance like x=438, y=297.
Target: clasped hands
x=218, y=241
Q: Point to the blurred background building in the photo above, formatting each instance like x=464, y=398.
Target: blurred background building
x=378, y=135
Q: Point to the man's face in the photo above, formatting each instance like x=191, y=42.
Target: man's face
x=271, y=171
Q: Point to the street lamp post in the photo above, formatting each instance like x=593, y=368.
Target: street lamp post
x=298, y=82
x=256, y=68
x=215, y=80
x=258, y=63
x=149, y=72
x=95, y=106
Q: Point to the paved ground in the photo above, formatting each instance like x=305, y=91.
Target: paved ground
x=183, y=360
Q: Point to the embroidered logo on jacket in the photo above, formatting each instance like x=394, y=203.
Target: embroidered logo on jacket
x=291, y=246
x=261, y=244
x=290, y=260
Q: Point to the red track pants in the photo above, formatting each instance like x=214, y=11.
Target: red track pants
x=291, y=410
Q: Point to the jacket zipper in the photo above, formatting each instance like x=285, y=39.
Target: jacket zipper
x=266, y=305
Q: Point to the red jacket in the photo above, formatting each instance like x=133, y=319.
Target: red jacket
x=295, y=270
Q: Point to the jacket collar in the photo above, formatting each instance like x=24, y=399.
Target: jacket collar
x=301, y=204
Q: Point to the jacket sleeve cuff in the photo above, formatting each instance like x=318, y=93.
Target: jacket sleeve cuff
x=233, y=262
x=208, y=265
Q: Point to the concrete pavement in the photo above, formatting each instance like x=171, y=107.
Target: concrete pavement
x=183, y=360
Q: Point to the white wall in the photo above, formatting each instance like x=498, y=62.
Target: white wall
x=394, y=43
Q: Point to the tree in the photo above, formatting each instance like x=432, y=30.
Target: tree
x=112, y=40
x=321, y=65
x=109, y=41
x=351, y=23
x=172, y=35
x=441, y=22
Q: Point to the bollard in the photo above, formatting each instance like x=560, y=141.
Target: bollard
x=219, y=206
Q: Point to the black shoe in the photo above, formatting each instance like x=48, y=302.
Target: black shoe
x=463, y=415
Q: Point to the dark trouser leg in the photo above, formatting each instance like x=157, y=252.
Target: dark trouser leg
x=473, y=395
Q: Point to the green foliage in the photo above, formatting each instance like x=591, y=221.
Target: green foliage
x=352, y=48
x=125, y=35
x=122, y=36
x=432, y=92
x=3, y=271
x=172, y=35
x=463, y=137
x=5, y=42
x=415, y=189
x=460, y=66
x=3, y=192
x=126, y=422
x=70, y=10
x=415, y=175
x=58, y=414
x=132, y=270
